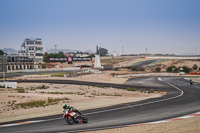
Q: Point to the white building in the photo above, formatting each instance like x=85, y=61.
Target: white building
x=32, y=47
x=115, y=54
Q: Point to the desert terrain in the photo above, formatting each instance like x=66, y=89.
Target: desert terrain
x=88, y=97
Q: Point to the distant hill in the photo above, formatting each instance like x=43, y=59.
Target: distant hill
x=89, y=51
x=68, y=51
x=10, y=51
x=13, y=51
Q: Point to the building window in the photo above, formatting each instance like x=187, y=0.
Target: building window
x=40, y=49
x=38, y=42
x=30, y=42
x=39, y=54
x=31, y=48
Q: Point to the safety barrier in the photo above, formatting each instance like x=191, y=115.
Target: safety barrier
x=194, y=73
x=8, y=84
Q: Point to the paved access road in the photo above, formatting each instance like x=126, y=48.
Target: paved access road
x=181, y=99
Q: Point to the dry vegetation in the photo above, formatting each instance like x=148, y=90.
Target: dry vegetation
x=30, y=98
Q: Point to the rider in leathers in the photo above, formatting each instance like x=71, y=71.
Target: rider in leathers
x=71, y=109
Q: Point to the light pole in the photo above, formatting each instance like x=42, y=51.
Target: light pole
x=4, y=68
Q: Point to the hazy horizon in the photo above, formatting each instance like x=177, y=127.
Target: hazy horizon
x=166, y=27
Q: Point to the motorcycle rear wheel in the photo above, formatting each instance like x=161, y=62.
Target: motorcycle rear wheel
x=85, y=119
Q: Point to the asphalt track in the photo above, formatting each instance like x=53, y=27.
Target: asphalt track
x=181, y=99
x=143, y=63
x=8, y=75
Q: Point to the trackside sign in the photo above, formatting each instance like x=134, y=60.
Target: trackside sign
x=82, y=59
x=58, y=59
x=70, y=59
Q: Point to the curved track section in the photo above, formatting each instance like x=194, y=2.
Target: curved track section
x=181, y=99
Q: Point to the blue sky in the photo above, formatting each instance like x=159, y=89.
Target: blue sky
x=163, y=26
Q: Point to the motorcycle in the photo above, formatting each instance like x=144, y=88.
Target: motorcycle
x=72, y=117
x=191, y=82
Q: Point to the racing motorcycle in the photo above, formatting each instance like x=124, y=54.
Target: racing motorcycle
x=72, y=117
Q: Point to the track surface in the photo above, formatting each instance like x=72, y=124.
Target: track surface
x=143, y=63
x=181, y=99
x=33, y=73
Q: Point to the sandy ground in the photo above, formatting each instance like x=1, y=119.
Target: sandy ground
x=188, y=63
x=105, y=77
x=81, y=97
x=189, y=125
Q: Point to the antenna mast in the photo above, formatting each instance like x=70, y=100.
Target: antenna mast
x=55, y=47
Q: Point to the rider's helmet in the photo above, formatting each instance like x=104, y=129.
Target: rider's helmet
x=64, y=106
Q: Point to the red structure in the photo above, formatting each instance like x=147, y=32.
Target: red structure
x=194, y=73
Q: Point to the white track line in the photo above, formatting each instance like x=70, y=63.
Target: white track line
x=144, y=103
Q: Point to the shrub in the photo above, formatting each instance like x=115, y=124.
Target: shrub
x=143, y=91
x=44, y=65
x=131, y=89
x=152, y=90
x=134, y=68
x=129, y=67
x=195, y=67
x=38, y=103
x=172, y=69
x=117, y=95
x=20, y=90
x=158, y=69
x=186, y=69
x=52, y=101
x=57, y=75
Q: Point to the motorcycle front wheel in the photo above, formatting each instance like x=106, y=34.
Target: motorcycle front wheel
x=69, y=120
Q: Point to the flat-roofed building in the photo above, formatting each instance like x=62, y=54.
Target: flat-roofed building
x=3, y=63
x=19, y=62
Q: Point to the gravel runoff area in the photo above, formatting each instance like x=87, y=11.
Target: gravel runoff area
x=189, y=125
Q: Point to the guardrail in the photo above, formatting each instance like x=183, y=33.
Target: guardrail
x=181, y=58
x=46, y=70
x=147, y=74
x=8, y=84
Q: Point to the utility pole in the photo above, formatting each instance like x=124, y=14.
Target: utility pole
x=122, y=50
x=4, y=67
x=195, y=50
x=55, y=47
x=146, y=51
